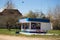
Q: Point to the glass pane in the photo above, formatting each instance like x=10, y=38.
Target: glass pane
x=25, y=25
x=35, y=25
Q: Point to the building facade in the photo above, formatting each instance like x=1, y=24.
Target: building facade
x=35, y=25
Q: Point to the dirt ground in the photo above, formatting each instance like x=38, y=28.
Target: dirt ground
x=5, y=37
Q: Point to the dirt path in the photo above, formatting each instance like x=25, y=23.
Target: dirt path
x=4, y=37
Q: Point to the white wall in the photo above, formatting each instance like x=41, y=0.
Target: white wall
x=23, y=21
x=46, y=26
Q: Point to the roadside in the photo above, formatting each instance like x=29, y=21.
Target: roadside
x=6, y=37
x=11, y=35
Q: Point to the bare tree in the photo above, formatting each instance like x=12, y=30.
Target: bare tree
x=54, y=16
x=32, y=14
x=10, y=22
x=9, y=4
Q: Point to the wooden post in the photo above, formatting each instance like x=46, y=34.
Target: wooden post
x=21, y=26
x=30, y=25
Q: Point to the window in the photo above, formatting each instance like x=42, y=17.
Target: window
x=25, y=25
x=11, y=12
x=35, y=25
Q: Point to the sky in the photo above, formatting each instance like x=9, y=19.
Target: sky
x=34, y=5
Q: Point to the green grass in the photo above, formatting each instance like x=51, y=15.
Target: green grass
x=44, y=36
x=7, y=32
x=13, y=33
x=54, y=31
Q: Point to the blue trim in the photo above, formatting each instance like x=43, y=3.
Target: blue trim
x=38, y=19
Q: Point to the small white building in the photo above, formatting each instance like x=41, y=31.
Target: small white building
x=34, y=25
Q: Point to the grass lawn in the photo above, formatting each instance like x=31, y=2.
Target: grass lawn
x=7, y=32
x=13, y=32
x=54, y=31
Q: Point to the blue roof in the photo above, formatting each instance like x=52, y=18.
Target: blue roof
x=38, y=19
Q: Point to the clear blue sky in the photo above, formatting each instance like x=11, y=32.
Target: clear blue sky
x=41, y=5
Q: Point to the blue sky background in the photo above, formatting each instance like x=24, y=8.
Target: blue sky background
x=41, y=5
